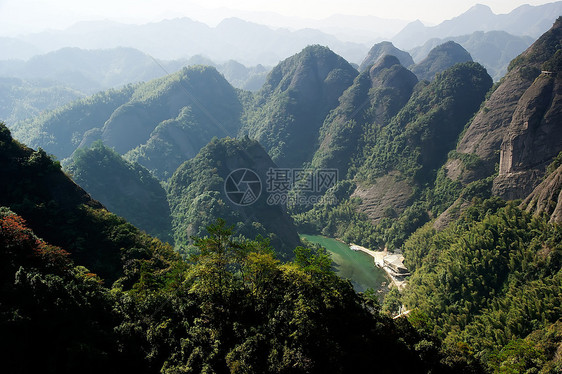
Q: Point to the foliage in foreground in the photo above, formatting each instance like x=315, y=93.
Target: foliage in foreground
x=233, y=309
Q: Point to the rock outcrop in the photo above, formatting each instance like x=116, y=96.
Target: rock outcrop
x=516, y=121
x=547, y=197
x=532, y=140
x=389, y=193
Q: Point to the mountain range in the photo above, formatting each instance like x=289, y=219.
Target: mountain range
x=45, y=82
x=493, y=49
x=233, y=38
x=253, y=43
x=524, y=20
x=434, y=161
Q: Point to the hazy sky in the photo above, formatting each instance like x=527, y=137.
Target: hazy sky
x=21, y=16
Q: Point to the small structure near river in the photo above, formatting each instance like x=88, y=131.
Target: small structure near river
x=392, y=264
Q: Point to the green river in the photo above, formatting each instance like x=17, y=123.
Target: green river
x=356, y=266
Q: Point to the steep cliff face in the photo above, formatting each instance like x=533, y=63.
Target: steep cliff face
x=523, y=96
x=485, y=133
x=546, y=198
x=533, y=138
x=389, y=192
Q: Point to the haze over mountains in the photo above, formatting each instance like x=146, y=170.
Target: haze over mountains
x=493, y=49
x=253, y=43
x=233, y=38
x=524, y=20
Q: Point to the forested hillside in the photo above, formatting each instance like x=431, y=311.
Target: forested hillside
x=493, y=49
x=391, y=179
x=382, y=49
x=291, y=106
x=61, y=131
x=23, y=99
x=375, y=96
x=124, y=188
x=440, y=58
x=490, y=280
x=199, y=194
x=33, y=186
x=160, y=123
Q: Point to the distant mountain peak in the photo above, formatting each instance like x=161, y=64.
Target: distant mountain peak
x=524, y=20
x=479, y=8
x=441, y=58
x=382, y=49
x=450, y=45
x=235, y=21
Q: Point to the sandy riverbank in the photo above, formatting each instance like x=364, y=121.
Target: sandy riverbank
x=378, y=257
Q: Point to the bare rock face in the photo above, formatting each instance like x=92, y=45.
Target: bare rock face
x=485, y=133
x=547, y=197
x=389, y=192
x=516, y=121
x=451, y=214
x=532, y=140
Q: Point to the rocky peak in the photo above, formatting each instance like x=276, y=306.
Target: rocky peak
x=479, y=10
x=374, y=98
x=294, y=102
x=382, y=49
x=309, y=73
x=532, y=140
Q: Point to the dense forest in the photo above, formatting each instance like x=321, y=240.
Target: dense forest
x=131, y=254
x=231, y=307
